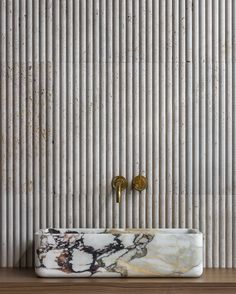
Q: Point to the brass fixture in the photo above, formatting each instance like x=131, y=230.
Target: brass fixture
x=140, y=183
x=119, y=183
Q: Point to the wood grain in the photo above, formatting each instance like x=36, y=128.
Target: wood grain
x=25, y=281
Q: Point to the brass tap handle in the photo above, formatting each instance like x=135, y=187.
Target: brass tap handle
x=140, y=183
x=119, y=183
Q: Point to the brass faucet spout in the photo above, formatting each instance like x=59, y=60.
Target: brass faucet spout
x=119, y=183
x=118, y=194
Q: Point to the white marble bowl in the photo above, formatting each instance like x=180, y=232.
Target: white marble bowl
x=119, y=253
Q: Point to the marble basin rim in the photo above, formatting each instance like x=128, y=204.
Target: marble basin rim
x=80, y=252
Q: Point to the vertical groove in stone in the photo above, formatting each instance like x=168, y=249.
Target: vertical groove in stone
x=209, y=132
x=138, y=215
x=89, y=112
x=96, y=118
x=155, y=110
x=63, y=113
x=222, y=118
x=83, y=165
x=182, y=112
x=149, y=114
x=3, y=126
x=16, y=134
x=29, y=132
x=49, y=111
x=9, y=126
x=229, y=133
x=129, y=112
x=175, y=109
x=169, y=115
x=142, y=104
x=69, y=119
x=162, y=112
x=109, y=111
x=76, y=113
x=42, y=111
x=196, y=104
x=116, y=104
x=56, y=113
x=122, y=108
x=23, y=163
x=202, y=117
x=36, y=158
x=216, y=110
x=102, y=114
x=234, y=131
x=189, y=114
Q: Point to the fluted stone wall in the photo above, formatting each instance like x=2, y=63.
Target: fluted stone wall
x=93, y=89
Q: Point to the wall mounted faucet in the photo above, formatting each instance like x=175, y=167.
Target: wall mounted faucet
x=119, y=183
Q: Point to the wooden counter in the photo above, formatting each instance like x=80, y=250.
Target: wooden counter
x=24, y=281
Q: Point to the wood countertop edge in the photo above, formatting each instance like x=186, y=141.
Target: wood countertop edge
x=120, y=285
x=210, y=278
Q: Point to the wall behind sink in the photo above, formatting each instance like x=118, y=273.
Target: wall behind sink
x=93, y=89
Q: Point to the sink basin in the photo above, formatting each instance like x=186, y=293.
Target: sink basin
x=119, y=253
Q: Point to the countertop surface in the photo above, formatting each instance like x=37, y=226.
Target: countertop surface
x=25, y=281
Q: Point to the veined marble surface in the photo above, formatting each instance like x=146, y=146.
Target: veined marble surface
x=119, y=253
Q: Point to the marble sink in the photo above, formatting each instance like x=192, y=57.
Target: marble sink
x=119, y=253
